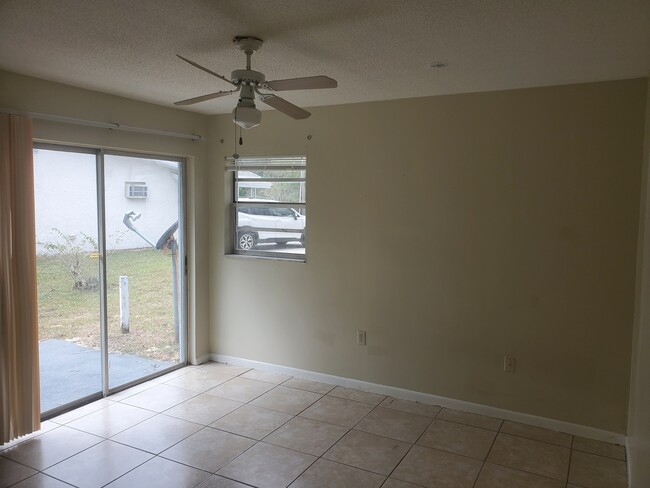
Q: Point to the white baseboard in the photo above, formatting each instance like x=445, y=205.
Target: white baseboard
x=427, y=398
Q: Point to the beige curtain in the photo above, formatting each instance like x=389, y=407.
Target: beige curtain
x=19, y=378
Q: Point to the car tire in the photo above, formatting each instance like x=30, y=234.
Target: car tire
x=246, y=241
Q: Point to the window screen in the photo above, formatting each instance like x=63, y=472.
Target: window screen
x=270, y=206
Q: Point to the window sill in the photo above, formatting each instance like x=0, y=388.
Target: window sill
x=266, y=258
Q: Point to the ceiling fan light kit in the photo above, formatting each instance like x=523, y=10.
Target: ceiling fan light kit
x=246, y=115
x=249, y=82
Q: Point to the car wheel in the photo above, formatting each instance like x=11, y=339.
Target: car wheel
x=246, y=241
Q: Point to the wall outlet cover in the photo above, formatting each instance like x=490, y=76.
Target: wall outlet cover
x=361, y=337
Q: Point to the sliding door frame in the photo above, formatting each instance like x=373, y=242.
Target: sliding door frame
x=100, y=154
x=103, y=294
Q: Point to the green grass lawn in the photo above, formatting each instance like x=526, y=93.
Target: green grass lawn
x=72, y=314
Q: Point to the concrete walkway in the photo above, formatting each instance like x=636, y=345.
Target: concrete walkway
x=70, y=372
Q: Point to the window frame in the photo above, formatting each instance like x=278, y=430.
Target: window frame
x=266, y=163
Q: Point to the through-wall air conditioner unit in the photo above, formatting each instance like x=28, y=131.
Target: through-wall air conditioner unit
x=135, y=189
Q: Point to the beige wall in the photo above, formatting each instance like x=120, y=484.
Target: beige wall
x=30, y=94
x=639, y=420
x=455, y=230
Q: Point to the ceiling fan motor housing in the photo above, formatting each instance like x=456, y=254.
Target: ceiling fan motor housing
x=247, y=76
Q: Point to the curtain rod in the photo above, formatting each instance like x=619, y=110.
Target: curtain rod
x=102, y=125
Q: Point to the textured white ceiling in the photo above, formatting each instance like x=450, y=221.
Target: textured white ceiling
x=376, y=49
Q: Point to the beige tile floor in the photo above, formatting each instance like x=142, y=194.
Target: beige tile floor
x=220, y=426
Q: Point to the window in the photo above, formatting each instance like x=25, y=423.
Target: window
x=269, y=206
x=135, y=189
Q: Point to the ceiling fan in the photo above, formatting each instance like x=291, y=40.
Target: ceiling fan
x=248, y=83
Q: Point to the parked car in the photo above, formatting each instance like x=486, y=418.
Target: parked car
x=279, y=225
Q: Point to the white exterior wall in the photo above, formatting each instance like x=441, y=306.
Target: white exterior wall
x=65, y=198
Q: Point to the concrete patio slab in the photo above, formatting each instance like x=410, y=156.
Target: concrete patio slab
x=69, y=371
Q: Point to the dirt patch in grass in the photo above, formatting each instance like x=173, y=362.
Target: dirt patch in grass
x=70, y=314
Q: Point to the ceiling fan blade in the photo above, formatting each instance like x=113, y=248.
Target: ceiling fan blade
x=203, y=98
x=285, y=107
x=308, y=83
x=197, y=65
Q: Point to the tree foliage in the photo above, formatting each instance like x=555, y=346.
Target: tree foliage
x=280, y=191
x=74, y=257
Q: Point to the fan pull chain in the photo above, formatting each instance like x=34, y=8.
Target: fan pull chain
x=234, y=149
x=241, y=140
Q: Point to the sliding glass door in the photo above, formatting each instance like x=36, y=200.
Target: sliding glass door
x=110, y=270
x=67, y=267
x=143, y=248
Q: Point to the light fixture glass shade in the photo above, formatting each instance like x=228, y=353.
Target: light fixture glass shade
x=246, y=116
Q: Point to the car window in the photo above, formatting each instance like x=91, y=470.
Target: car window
x=282, y=212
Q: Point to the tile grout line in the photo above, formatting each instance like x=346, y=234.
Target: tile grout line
x=258, y=441
x=412, y=444
x=304, y=470
x=496, y=434
x=86, y=449
x=166, y=449
x=28, y=477
x=53, y=477
x=503, y=421
x=350, y=429
x=183, y=463
x=522, y=470
x=527, y=472
x=230, y=479
x=601, y=455
x=373, y=409
x=293, y=416
x=64, y=459
x=535, y=440
x=82, y=416
x=469, y=425
x=154, y=455
x=130, y=470
x=493, y=442
x=109, y=438
x=411, y=448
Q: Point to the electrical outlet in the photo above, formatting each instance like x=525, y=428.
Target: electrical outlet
x=361, y=337
x=509, y=364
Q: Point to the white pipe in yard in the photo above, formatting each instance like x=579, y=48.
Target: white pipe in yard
x=124, y=304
